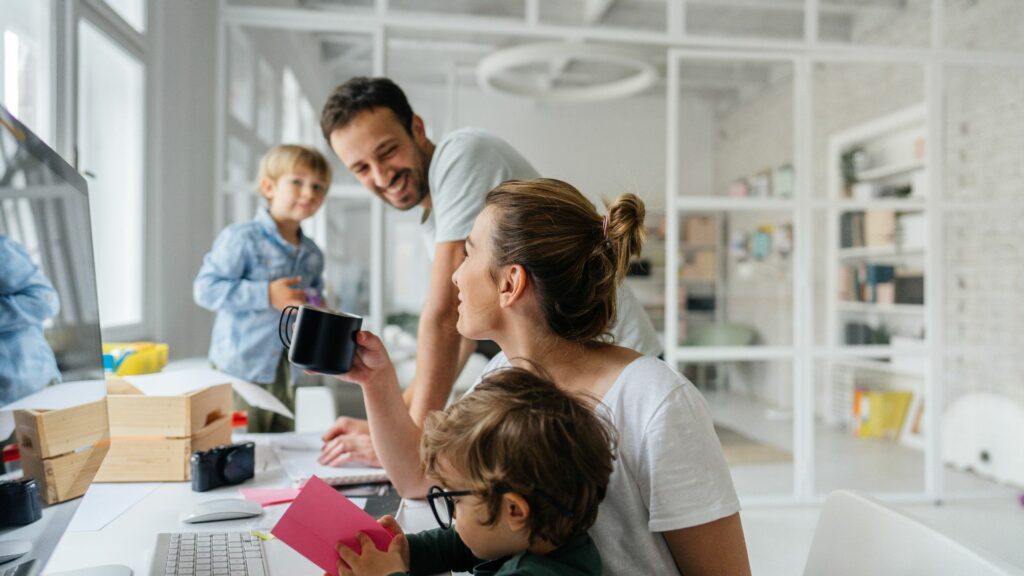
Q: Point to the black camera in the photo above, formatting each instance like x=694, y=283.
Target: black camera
x=19, y=502
x=224, y=465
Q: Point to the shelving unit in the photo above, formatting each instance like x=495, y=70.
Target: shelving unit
x=695, y=279
x=876, y=257
x=703, y=272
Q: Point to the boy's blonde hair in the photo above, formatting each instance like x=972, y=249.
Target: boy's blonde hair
x=517, y=432
x=283, y=158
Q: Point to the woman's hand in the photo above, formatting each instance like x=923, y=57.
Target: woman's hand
x=370, y=561
x=349, y=448
x=371, y=365
x=347, y=441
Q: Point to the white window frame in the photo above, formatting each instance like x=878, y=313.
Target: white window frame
x=68, y=15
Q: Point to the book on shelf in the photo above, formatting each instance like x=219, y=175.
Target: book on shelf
x=880, y=414
x=909, y=288
x=868, y=283
x=911, y=231
x=851, y=229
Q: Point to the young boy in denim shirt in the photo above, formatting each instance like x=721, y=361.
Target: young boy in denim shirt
x=523, y=467
x=255, y=269
x=27, y=300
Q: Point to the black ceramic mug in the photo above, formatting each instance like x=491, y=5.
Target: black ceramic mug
x=322, y=341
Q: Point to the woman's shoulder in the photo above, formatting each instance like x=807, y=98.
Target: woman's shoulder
x=649, y=383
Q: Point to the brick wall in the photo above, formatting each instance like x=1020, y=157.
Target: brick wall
x=983, y=275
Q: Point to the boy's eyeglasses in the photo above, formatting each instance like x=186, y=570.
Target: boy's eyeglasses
x=444, y=511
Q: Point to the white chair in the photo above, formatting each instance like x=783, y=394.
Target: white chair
x=857, y=535
x=314, y=408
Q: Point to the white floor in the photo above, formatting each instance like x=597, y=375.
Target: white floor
x=982, y=514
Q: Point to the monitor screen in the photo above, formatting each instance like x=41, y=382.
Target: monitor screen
x=49, y=316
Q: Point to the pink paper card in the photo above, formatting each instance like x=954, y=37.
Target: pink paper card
x=269, y=496
x=320, y=518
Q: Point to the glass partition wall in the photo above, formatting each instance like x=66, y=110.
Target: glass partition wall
x=829, y=223
x=832, y=259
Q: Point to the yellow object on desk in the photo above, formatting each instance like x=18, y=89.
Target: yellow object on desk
x=131, y=358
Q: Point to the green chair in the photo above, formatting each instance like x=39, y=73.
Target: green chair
x=718, y=334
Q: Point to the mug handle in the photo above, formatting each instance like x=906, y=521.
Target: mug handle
x=283, y=323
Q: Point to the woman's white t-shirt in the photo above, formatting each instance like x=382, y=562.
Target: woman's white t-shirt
x=669, y=471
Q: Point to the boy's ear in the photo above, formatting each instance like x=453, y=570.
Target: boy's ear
x=516, y=511
x=512, y=283
x=266, y=188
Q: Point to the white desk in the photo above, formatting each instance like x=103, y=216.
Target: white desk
x=131, y=538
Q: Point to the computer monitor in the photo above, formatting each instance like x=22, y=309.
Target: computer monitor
x=49, y=315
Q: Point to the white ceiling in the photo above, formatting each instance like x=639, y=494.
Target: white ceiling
x=430, y=55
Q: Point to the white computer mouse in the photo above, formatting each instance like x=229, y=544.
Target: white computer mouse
x=12, y=549
x=105, y=570
x=225, y=509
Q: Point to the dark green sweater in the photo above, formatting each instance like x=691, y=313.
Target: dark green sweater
x=441, y=550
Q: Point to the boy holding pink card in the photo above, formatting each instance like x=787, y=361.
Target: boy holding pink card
x=523, y=467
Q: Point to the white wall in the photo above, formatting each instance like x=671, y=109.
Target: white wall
x=604, y=149
x=181, y=196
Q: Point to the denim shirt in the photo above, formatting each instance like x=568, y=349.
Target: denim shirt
x=27, y=299
x=234, y=282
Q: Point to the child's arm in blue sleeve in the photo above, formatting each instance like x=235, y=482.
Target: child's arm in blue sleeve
x=220, y=284
x=26, y=295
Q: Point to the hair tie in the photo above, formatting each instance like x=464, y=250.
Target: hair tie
x=604, y=227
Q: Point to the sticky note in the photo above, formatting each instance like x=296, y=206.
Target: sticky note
x=269, y=496
x=320, y=518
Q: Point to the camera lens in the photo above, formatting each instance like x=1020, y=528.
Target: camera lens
x=239, y=464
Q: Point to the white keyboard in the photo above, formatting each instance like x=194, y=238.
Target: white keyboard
x=209, y=554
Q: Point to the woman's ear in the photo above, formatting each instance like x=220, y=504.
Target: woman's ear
x=512, y=284
x=516, y=511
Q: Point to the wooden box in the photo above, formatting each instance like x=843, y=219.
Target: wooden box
x=63, y=449
x=153, y=437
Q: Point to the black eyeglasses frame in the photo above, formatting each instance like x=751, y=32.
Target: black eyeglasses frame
x=436, y=492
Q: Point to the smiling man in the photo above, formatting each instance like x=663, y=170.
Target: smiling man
x=372, y=129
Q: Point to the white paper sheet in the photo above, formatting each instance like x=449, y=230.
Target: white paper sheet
x=103, y=503
x=56, y=397
x=299, y=465
x=174, y=382
x=61, y=396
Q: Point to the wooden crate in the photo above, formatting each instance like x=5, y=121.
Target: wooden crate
x=63, y=449
x=157, y=459
x=153, y=437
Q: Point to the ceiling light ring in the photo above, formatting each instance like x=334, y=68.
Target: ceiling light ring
x=491, y=68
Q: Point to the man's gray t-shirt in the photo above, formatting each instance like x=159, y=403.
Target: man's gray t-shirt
x=466, y=165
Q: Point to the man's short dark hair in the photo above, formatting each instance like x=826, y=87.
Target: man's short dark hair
x=363, y=93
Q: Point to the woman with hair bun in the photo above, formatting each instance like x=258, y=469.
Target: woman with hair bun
x=540, y=278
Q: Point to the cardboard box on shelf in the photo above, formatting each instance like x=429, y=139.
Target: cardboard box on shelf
x=879, y=228
x=700, y=231
x=153, y=437
x=62, y=449
x=700, y=266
